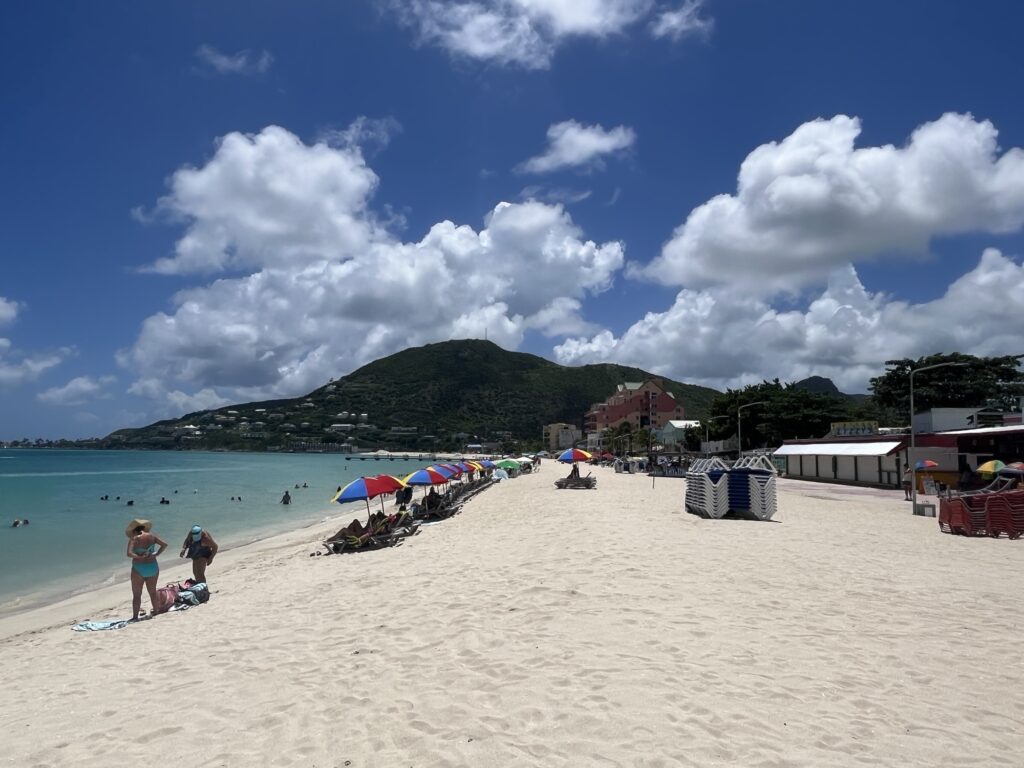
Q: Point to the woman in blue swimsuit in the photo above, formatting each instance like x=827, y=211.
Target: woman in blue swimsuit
x=143, y=549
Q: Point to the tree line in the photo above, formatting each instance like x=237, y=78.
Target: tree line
x=790, y=411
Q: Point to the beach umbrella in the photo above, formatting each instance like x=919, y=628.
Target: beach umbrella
x=445, y=471
x=926, y=464
x=991, y=467
x=456, y=468
x=573, y=455
x=426, y=476
x=392, y=482
x=487, y=464
x=362, y=489
x=507, y=464
x=467, y=467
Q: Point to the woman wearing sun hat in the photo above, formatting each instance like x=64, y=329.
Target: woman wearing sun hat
x=200, y=548
x=143, y=549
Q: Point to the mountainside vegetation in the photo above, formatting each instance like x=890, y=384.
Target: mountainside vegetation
x=434, y=397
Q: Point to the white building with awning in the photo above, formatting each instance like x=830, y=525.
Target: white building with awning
x=876, y=460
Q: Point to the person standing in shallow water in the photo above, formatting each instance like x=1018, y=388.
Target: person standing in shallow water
x=287, y=498
x=200, y=548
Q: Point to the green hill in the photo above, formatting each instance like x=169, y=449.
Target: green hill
x=469, y=386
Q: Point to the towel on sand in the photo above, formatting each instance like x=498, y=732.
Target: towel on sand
x=99, y=626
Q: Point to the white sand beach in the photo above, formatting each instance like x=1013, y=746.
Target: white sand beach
x=553, y=628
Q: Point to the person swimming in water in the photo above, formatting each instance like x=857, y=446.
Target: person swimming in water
x=143, y=549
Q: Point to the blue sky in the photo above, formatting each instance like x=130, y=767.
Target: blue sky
x=214, y=202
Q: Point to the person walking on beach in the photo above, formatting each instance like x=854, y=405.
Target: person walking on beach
x=143, y=549
x=200, y=548
x=907, y=480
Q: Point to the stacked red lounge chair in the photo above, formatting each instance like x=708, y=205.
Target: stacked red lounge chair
x=983, y=514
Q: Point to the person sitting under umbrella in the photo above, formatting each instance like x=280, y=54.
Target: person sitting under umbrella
x=355, y=529
x=433, y=499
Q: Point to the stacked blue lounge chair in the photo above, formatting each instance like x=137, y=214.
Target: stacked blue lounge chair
x=747, y=489
x=752, y=482
x=707, y=488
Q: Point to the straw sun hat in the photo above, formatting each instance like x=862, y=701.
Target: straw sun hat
x=146, y=526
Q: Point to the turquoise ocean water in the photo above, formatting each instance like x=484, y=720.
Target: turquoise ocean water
x=75, y=541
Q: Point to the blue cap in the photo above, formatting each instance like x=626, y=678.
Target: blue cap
x=197, y=529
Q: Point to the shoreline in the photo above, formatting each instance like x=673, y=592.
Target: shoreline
x=86, y=564
x=102, y=598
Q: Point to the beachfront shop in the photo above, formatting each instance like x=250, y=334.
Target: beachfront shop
x=942, y=458
x=866, y=461
x=964, y=450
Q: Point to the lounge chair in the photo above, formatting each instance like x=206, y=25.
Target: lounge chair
x=576, y=482
x=377, y=535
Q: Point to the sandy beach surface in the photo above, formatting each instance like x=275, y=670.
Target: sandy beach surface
x=553, y=628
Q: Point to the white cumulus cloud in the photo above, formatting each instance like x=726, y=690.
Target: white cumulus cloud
x=813, y=201
x=18, y=368
x=720, y=337
x=80, y=390
x=241, y=63
x=574, y=145
x=267, y=199
x=527, y=33
x=325, y=287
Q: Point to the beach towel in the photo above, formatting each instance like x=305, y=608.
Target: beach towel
x=97, y=626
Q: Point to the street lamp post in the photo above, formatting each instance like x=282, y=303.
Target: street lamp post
x=707, y=432
x=739, y=425
x=913, y=443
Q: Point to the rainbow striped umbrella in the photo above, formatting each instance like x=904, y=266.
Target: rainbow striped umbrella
x=447, y=472
x=363, y=489
x=573, y=455
x=426, y=476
